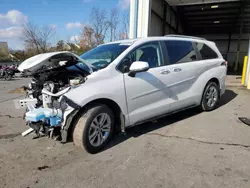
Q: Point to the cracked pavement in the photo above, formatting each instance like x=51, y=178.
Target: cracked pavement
x=201, y=141
x=189, y=149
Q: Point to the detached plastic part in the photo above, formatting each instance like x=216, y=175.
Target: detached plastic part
x=25, y=133
x=245, y=120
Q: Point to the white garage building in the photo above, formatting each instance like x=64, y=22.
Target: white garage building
x=226, y=22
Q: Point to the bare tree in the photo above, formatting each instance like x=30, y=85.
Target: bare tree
x=124, y=31
x=113, y=23
x=126, y=23
x=88, y=38
x=37, y=37
x=99, y=24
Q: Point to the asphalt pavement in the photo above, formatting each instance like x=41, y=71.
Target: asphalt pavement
x=189, y=149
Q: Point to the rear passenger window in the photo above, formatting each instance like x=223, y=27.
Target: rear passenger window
x=206, y=52
x=180, y=51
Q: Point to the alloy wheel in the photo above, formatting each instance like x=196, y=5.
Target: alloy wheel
x=99, y=129
x=211, y=96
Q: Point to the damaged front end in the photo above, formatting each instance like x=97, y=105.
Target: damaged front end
x=53, y=121
x=48, y=111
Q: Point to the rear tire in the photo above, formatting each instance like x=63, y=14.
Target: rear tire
x=210, y=97
x=94, y=128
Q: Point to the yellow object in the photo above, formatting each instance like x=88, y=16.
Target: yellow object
x=244, y=70
x=248, y=84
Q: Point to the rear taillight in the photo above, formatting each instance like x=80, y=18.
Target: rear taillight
x=224, y=63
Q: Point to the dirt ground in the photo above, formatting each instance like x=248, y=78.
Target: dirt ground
x=188, y=149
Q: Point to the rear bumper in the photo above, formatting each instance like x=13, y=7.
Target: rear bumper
x=223, y=82
x=223, y=85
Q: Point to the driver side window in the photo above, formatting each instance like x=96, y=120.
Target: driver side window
x=149, y=53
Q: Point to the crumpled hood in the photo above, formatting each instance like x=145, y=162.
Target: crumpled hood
x=49, y=60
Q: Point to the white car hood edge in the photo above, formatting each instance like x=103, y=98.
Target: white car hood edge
x=36, y=62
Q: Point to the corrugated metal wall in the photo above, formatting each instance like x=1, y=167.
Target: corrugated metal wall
x=222, y=42
x=161, y=12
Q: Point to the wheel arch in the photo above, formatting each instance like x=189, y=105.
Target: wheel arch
x=114, y=107
x=213, y=79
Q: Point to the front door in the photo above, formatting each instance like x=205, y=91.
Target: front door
x=147, y=93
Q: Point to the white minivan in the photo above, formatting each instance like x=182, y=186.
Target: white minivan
x=121, y=84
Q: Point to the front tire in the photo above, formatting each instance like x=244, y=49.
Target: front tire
x=210, y=97
x=94, y=128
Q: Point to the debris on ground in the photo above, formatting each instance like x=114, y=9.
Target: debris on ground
x=42, y=167
x=245, y=120
x=18, y=90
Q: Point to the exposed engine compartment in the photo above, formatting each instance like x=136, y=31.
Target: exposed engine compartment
x=46, y=86
x=44, y=101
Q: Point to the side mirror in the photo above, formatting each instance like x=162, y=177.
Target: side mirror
x=138, y=66
x=126, y=63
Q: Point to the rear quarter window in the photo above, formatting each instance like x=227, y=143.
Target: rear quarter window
x=206, y=52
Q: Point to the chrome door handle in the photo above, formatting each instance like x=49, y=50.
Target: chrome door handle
x=177, y=69
x=165, y=71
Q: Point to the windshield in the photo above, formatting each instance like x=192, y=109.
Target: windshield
x=101, y=56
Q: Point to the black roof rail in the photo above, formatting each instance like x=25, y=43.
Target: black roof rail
x=185, y=36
